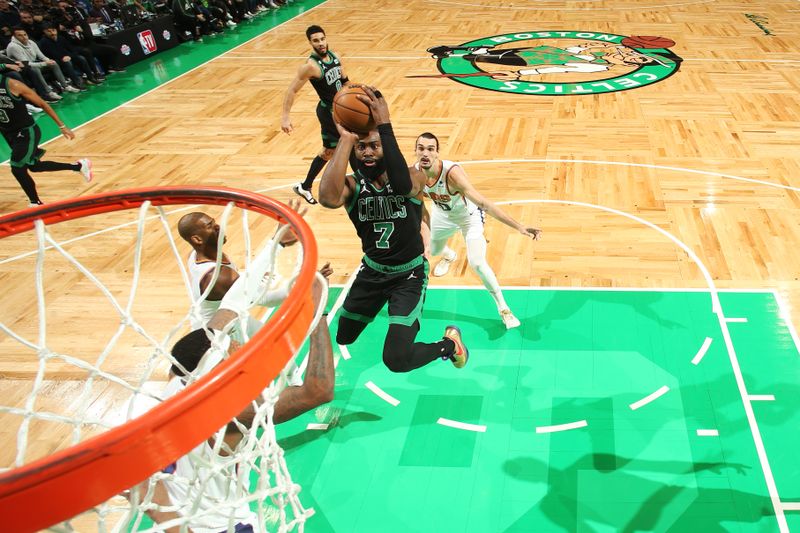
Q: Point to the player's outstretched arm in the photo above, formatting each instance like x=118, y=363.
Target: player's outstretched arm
x=20, y=89
x=458, y=181
x=336, y=187
x=317, y=386
x=304, y=73
x=289, y=238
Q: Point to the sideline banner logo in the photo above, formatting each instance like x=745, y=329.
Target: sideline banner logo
x=148, y=41
x=558, y=63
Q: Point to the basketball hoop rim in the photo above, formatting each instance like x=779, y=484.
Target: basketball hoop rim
x=55, y=488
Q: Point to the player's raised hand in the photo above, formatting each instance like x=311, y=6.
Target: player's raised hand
x=326, y=270
x=294, y=203
x=533, y=233
x=345, y=134
x=377, y=104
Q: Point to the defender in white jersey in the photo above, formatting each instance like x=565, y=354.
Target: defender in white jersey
x=458, y=206
x=202, y=232
x=199, y=491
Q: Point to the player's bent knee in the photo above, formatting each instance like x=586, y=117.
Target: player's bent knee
x=478, y=266
x=326, y=153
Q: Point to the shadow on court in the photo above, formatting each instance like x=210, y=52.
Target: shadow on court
x=342, y=420
x=705, y=509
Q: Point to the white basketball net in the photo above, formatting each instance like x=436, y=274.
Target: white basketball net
x=62, y=389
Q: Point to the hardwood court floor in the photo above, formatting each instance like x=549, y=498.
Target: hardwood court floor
x=707, y=155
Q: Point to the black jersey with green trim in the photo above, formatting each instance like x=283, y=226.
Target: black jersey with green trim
x=13, y=113
x=387, y=223
x=330, y=81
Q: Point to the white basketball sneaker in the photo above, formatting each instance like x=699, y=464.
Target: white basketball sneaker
x=86, y=169
x=444, y=264
x=509, y=319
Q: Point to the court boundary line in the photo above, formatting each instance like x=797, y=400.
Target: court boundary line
x=602, y=289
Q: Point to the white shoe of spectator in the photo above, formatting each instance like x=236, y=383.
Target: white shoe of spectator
x=230, y=24
x=71, y=89
x=33, y=109
x=273, y=5
x=54, y=96
x=261, y=8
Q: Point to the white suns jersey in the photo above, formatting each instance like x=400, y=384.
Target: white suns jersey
x=206, y=493
x=196, y=273
x=454, y=205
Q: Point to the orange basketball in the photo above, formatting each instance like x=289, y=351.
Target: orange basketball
x=647, y=41
x=351, y=112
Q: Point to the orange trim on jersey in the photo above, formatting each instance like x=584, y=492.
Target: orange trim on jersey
x=447, y=184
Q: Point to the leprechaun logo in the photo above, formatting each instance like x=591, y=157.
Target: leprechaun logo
x=558, y=63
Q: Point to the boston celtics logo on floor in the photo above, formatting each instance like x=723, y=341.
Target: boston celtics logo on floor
x=558, y=63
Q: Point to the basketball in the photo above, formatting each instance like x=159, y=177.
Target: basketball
x=647, y=41
x=351, y=112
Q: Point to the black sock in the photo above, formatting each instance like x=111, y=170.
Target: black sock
x=52, y=166
x=313, y=171
x=447, y=347
x=26, y=182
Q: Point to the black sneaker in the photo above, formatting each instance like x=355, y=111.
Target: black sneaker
x=303, y=193
x=461, y=355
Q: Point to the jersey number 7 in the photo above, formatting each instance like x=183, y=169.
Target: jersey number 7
x=385, y=229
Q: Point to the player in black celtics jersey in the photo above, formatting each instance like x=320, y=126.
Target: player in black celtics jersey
x=384, y=203
x=324, y=70
x=23, y=136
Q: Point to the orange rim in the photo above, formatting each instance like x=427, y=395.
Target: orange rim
x=55, y=488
